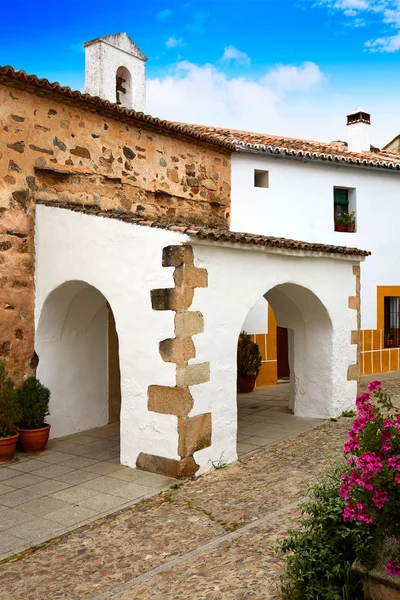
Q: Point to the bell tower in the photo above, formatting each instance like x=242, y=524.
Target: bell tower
x=116, y=71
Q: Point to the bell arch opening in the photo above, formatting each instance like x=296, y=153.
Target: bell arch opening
x=263, y=415
x=77, y=345
x=123, y=87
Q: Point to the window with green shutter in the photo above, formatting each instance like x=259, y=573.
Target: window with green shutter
x=343, y=209
x=341, y=197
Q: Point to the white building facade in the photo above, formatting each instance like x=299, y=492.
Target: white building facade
x=296, y=199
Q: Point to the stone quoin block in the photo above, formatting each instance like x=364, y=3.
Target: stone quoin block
x=188, y=324
x=356, y=270
x=355, y=337
x=172, y=299
x=193, y=374
x=191, y=276
x=353, y=372
x=169, y=400
x=354, y=302
x=194, y=434
x=176, y=256
x=179, y=469
x=177, y=350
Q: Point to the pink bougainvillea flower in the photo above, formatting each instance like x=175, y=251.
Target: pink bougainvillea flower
x=379, y=498
x=393, y=567
x=388, y=423
x=374, y=385
x=360, y=400
x=392, y=461
x=349, y=512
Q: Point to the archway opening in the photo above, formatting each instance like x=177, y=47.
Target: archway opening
x=293, y=331
x=123, y=87
x=77, y=345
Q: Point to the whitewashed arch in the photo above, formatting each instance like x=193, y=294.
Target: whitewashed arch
x=72, y=346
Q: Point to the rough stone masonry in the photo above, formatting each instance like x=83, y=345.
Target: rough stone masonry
x=59, y=149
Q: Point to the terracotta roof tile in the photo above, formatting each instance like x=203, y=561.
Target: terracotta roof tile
x=43, y=87
x=203, y=233
x=335, y=152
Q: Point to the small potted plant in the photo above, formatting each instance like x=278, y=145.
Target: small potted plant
x=248, y=363
x=10, y=414
x=351, y=222
x=34, y=400
x=340, y=222
x=389, y=338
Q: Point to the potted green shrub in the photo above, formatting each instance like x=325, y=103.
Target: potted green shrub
x=248, y=363
x=34, y=400
x=10, y=414
x=340, y=222
x=389, y=338
x=351, y=222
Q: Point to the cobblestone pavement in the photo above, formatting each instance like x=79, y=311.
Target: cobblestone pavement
x=212, y=539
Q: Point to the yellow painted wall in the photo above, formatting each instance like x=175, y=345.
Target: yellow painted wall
x=268, y=374
x=374, y=357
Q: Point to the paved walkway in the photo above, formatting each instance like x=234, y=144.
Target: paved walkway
x=265, y=419
x=213, y=538
x=77, y=479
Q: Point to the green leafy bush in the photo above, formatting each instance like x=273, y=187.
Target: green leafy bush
x=34, y=400
x=10, y=412
x=248, y=356
x=318, y=556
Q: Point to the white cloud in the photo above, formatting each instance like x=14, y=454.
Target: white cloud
x=388, y=11
x=385, y=44
x=232, y=54
x=174, y=42
x=287, y=78
x=352, y=4
x=205, y=94
x=163, y=14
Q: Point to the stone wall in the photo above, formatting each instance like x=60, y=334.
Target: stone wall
x=50, y=150
x=194, y=433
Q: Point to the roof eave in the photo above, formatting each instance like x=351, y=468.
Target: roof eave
x=332, y=159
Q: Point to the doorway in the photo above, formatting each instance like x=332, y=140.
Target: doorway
x=282, y=351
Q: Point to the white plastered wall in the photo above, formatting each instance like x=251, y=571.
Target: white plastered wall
x=123, y=262
x=102, y=63
x=72, y=339
x=257, y=319
x=298, y=204
x=238, y=278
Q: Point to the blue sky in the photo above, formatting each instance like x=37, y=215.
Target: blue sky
x=290, y=67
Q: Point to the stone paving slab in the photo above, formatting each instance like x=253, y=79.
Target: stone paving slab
x=264, y=418
x=66, y=486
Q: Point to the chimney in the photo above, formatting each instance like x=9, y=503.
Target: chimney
x=359, y=123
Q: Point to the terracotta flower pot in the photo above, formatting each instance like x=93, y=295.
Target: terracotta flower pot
x=350, y=228
x=339, y=227
x=7, y=447
x=377, y=584
x=34, y=440
x=246, y=384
